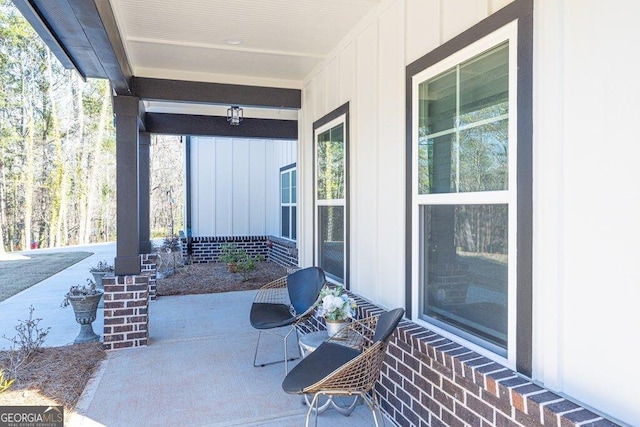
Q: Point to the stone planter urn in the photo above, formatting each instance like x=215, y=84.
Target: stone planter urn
x=98, y=272
x=85, y=308
x=97, y=277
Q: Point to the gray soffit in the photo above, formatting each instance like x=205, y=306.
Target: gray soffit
x=83, y=35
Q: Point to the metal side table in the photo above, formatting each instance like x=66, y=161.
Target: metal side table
x=308, y=343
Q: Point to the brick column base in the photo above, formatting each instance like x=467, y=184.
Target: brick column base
x=126, y=305
x=149, y=266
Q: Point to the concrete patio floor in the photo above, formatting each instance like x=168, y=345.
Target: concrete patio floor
x=196, y=371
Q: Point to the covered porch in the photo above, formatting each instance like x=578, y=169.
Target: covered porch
x=177, y=67
x=199, y=367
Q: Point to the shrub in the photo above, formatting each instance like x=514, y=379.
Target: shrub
x=28, y=340
x=231, y=254
x=4, y=383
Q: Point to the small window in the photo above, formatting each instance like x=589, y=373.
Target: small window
x=288, y=202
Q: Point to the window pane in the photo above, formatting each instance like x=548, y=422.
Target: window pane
x=285, y=221
x=436, y=165
x=294, y=185
x=294, y=219
x=484, y=86
x=483, y=157
x=437, y=98
x=284, y=186
x=330, y=155
x=465, y=268
x=331, y=234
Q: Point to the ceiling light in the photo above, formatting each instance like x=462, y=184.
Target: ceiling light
x=234, y=115
x=233, y=41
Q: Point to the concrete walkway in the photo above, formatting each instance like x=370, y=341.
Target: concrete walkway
x=196, y=371
x=47, y=296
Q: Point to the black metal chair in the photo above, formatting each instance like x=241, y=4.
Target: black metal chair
x=285, y=302
x=347, y=364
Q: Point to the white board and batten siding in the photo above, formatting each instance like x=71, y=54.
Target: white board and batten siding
x=367, y=69
x=585, y=211
x=235, y=185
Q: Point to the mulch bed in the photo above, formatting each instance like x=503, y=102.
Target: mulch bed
x=215, y=277
x=51, y=375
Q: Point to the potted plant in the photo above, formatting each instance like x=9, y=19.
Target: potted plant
x=238, y=260
x=99, y=271
x=232, y=255
x=84, y=300
x=336, y=307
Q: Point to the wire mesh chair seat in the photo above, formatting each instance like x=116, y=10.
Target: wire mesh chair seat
x=287, y=301
x=347, y=364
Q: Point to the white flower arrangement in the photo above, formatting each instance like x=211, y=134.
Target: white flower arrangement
x=335, y=305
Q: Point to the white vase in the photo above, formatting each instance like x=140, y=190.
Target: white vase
x=334, y=326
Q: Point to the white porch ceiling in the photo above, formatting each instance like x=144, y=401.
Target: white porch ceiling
x=259, y=42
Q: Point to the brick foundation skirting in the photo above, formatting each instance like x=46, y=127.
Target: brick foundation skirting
x=205, y=249
x=428, y=380
x=282, y=252
x=126, y=307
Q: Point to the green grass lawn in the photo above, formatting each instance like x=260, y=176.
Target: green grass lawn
x=18, y=275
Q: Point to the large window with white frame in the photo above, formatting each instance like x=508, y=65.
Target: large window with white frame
x=331, y=148
x=465, y=192
x=288, y=202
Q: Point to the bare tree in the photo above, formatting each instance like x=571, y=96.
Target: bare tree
x=167, y=185
x=57, y=146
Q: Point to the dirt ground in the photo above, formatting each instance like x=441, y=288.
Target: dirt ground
x=58, y=375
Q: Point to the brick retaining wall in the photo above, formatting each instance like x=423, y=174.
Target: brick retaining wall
x=205, y=249
x=282, y=252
